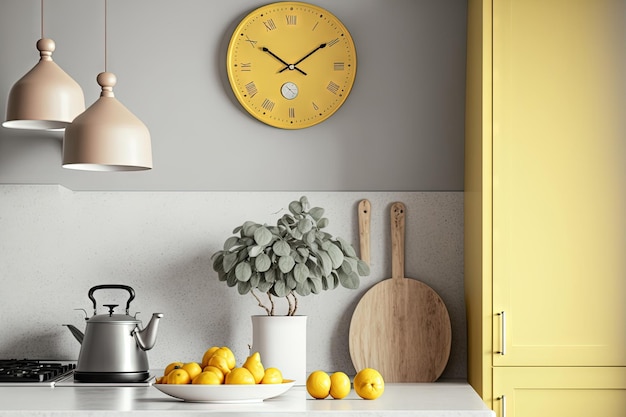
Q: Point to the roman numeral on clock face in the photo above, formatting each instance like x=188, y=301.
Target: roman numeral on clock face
x=268, y=104
x=333, y=42
x=251, y=89
x=291, y=19
x=246, y=66
x=292, y=112
x=339, y=66
x=332, y=87
x=269, y=24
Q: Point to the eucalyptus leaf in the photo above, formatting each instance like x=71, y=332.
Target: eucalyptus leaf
x=243, y=271
x=281, y=248
x=336, y=255
x=322, y=223
x=280, y=289
x=300, y=272
x=363, y=268
x=295, y=207
x=286, y=264
x=254, y=251
x=316, y=213
x=243, y=287
x=305, y=225
x=262, y=262
x=231, y=242
x=262, y=236
x=230, y=260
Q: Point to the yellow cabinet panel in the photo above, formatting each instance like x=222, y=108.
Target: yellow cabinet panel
x=545, y=205
x=559, y=182
x=554, y=392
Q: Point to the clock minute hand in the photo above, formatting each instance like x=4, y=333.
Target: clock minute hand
x=281, y=60
x=304, y=57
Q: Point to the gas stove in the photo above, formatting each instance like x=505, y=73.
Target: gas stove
x=25, y=372
x=37, y=373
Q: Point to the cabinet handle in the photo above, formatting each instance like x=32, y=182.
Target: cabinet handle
x=502, y=405
x=502, y=350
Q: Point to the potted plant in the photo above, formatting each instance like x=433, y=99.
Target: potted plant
x=294, y=258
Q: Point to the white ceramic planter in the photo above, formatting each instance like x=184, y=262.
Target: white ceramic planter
x=281, y=342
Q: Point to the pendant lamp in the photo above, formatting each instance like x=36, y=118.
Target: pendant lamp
x=107, y=136
x=46, y=98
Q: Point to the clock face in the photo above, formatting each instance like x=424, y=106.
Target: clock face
x=290, y=64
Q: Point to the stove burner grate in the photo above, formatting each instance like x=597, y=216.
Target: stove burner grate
x=27, y=370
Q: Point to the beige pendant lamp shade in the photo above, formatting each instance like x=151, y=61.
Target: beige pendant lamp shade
x=46, y=98
x=107, y=136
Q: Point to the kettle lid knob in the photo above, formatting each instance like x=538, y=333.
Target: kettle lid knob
x=111, y=307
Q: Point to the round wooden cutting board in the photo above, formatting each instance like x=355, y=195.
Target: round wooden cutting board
x=401, y=326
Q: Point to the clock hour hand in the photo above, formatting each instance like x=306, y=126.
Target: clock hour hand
x=290, y=66
x=303, y=58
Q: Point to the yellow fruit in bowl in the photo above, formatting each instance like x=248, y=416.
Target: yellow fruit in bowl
x=207, y=355
x=169, y=368
x=318, y=384
x=239, y=376
x=216, y=371
x=254, y=365
x=272, y=376
x=227, y=354
x=178, y=376
x=193, y=369
x=339, y=385
x=220, y=363
x=206, y=378
x=369, y=384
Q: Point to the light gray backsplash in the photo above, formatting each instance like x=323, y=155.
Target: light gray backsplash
x=55, y=244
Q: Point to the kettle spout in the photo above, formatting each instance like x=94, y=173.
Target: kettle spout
x=77, y=333
x=146, y=338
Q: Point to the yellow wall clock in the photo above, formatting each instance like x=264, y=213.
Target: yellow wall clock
x=291, y=64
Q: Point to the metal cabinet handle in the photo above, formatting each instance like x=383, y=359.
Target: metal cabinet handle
x=502, y=350
x=502, y=405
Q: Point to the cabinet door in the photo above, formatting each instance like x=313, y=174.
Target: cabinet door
x=554, y=392
x=559, y=182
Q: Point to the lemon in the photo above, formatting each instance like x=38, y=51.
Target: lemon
x=206, y=378
x=216, y=371
x=369, y=384
x=272, y=376
x=227, y=354
x=207, y=355
x=339, y=385
x=193, y=369
x=318, y=384
x=220, y=363
x=169, y=368
x=239, y=376
x=254, y=365
x=178, y=376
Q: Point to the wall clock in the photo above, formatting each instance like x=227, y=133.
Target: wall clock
x=291, y=64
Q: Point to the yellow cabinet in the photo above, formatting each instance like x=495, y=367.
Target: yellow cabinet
x=545, y=196
x=549, y=392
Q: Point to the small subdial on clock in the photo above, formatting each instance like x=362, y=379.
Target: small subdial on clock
x=289, y=90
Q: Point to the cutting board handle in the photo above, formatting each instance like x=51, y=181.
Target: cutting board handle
x=397, y=240
x=365, y=209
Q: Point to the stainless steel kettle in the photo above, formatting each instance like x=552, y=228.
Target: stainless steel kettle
x=113, y=347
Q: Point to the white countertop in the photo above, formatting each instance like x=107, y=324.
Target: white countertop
x=440, y=399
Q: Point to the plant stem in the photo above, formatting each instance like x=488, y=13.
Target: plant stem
x=267, y=310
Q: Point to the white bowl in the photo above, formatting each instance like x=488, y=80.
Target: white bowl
x=225, y=393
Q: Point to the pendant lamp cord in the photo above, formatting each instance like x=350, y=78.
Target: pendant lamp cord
x=105, y=35
x=41, y=19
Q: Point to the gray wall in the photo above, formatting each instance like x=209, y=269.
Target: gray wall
x=400, y=129
x=399, y=137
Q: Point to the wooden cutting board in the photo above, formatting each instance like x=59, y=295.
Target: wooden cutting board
x=401, y=326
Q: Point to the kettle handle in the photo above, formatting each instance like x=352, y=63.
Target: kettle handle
x=111, y=286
